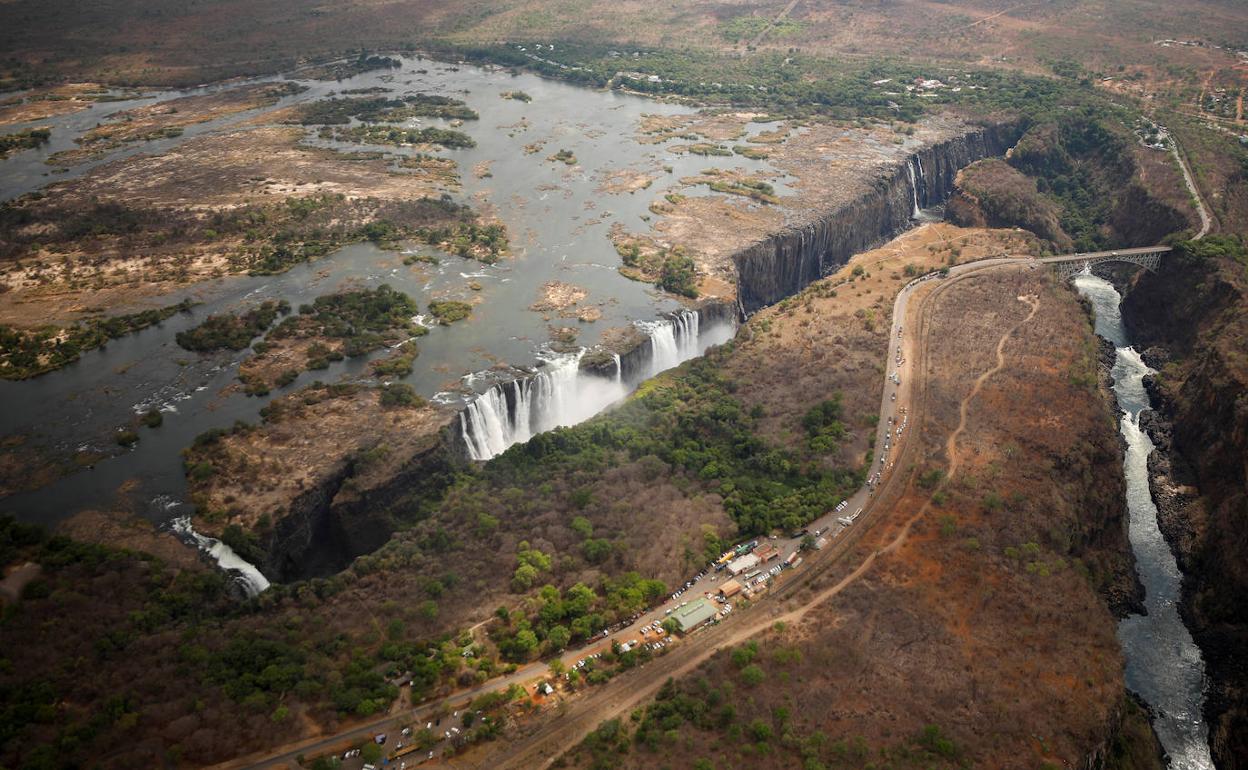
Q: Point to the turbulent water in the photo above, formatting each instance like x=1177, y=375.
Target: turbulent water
x=561, y=394
x=1164, y=665
x=250, y=578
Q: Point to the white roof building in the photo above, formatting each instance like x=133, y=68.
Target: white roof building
x=739, y=565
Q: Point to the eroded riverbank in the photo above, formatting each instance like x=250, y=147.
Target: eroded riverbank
x=1164, y=665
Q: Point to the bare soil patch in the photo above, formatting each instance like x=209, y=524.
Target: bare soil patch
x=185, y=188
x=49, y=102
x=557, y=295
x=133, y=533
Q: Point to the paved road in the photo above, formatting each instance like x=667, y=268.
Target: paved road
x=1206, y=222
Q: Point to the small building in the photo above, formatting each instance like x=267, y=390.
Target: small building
x=695, y=614
x=742, y=563
x=766, y=553
x=730, y=588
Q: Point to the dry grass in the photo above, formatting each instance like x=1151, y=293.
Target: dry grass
x=1018, y=668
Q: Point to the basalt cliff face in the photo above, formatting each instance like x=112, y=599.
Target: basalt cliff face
x=1191, y=318
x=784, y=263
x=354, y=510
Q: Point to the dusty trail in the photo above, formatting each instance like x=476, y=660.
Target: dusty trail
x=994, y=16
x=951, y=446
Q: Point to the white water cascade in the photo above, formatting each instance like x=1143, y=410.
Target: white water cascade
x=560, y=394
x=672, y=340
x=914, y=185
x=250, y=578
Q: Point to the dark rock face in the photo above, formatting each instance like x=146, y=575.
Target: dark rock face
x=1138, y=219
x=348, y=515
x=1192, y=319
x=782, y=265
x=1122, y=590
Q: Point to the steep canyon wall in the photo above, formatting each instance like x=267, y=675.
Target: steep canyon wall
x=772, y=269
x=1191, y=321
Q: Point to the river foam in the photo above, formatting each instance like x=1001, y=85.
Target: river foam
x=561, y=394
x=1164, y=665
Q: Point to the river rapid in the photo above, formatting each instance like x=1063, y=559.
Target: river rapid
x=1164, y=665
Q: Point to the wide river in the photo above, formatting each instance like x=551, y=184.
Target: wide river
x=1164, y=665
x=558, y=218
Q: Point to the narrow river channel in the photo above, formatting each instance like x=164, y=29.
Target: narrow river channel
x=1164, y=665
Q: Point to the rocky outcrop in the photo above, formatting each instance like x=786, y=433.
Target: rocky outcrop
x=1197, y=310
x=354, y=510
x=786, y=262
x=1075, y=182
x=992, y=193
x=1140, y=219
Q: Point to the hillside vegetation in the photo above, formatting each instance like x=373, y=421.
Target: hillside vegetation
x=1022, y=549
x=1079, y=181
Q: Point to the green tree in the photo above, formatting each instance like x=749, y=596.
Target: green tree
x=752, y=675
x=596, y=550
x=745, y=654
x=760, y=731
x=558, y=637
x=525, y=641
x=582, y=526
x=523, y=578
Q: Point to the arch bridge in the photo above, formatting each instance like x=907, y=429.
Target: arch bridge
x=1070, y=265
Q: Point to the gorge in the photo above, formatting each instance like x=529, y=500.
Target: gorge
x=781, y=265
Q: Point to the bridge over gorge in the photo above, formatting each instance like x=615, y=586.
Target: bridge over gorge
x=1070, y=265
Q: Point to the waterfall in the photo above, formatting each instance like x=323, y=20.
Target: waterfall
x=513, y=412
x=914, y=188
x=922, y=178
x=672, y=340
x=487, y=425
x=663, y=351
x=559, y=394
x=245, y=573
